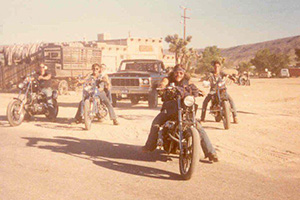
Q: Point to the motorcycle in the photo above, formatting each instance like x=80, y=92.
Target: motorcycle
x=30, y=101
x=220, y=107
x=92, y=105
x=179, y=134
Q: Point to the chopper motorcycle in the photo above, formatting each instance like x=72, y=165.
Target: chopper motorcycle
x=220, y=106
x=92, y=105
x=179, y=134
x=30, y=101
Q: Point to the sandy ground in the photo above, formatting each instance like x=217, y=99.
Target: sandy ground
x=259, y=157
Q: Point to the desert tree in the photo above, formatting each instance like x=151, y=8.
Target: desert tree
x=178, y=47
x=208, y=55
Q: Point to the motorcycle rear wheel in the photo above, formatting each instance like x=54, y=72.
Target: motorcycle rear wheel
x=226, y=114
x=13, y=117
x=189, y=158
x=87, y=114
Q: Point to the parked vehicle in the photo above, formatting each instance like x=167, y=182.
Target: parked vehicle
x=64, y=62
x=92, y=105
x=220, y=107
x=294, y=71
x=284, y=73
x=137, y=80
x=30, y=101
x=179, y=135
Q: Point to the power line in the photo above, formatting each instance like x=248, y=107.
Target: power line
x=184, y=20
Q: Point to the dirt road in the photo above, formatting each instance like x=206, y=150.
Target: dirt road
x=259, y=157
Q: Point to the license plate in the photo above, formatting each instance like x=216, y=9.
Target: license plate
x=124, y=91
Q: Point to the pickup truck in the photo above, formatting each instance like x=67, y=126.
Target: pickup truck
x=137, y=80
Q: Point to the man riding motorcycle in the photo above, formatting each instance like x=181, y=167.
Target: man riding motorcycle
x=213, y=79
x=44, y=79
x=181, y=80
x=104, y=85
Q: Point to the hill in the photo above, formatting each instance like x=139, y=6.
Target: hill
x=246, y=52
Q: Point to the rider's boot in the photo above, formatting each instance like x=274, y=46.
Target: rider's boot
x=115, y=122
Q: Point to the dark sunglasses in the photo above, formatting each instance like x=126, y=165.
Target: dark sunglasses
x=96, y=68
x=179, y=73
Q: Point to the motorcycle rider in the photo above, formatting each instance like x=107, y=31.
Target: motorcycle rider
x=107, y=86
x=103, y=83
x=213, y=79
x=181, y=80
x=44, y=79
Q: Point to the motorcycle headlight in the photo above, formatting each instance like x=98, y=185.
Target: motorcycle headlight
x=21, y=85
x=189, y=101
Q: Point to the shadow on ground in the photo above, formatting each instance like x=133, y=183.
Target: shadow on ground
x=129, y=106
x=3, y=121
x=68, y=104
x=101, y=153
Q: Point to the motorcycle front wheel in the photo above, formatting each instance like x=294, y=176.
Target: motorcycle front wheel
x=226, y=114
x=87, y=113
x=15, y=118
x=189, y=158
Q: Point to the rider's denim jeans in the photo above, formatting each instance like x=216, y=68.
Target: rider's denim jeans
x=48, y=92
x=160, y=119
x=103, y=97
x=208, y=98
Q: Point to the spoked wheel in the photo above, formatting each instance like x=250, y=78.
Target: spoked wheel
x=88, y=118
x=189, y=158
x=226, y=114
x=102, y=111
x=15, y=116
x=63, y=87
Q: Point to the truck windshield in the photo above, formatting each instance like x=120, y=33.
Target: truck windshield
x=139, y=66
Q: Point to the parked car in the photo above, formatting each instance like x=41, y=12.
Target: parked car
x=137, y=80
x=284, y=73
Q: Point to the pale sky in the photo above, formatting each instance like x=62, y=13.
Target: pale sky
x=224, y=23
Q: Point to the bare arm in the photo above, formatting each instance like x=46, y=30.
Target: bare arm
x=164, y=82
x=48, y=77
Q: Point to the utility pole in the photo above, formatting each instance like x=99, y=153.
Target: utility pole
x=184, y=20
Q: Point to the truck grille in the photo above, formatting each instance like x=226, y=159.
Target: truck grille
x=125, y=82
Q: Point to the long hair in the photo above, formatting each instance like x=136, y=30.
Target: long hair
x=171, y=75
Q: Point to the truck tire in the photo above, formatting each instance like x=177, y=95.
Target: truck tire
x=134, y=99
x=63, y=87
x=153, y=99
